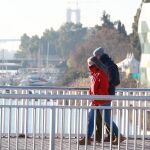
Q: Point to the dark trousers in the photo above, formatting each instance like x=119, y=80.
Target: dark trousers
x=99, y=127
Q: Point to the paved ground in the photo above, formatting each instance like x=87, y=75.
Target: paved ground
x=65, y=144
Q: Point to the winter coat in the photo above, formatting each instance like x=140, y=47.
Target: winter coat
x=108, y=62
x=98, y=84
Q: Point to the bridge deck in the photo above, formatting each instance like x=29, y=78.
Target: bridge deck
x=65, y=145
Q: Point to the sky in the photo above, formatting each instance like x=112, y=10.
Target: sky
x=34, y=16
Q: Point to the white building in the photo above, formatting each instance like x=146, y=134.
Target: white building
x=129, y=65
x=144, y=35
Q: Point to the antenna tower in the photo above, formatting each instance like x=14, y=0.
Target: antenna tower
x=73, y=8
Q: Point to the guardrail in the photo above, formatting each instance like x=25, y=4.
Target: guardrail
x=62, y=112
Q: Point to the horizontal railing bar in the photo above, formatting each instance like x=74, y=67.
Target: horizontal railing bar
x=72, y=97
x=42, y=87
x=74, y=107
x=133, y=89
x=68, y=88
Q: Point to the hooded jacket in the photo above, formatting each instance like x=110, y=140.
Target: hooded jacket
x=98, y=84
x=107, y=61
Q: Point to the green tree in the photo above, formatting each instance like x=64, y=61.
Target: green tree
x=70, y=35
x=50, y=41
x=34, y=46
x=121, y=27
x=134, y=38
x=24, y=47
x=106, y=20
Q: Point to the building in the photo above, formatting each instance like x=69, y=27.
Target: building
x=144, y=35
x=129, y=66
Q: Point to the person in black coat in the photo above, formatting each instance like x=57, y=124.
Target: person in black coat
x=109, y=64
x=110, y=67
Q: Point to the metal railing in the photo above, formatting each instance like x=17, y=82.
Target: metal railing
x=51, y=112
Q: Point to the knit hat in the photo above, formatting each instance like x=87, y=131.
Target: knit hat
x=98, y=51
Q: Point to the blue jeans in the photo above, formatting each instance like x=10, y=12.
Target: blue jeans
x=106, y=119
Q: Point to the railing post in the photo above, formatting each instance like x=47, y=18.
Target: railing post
x=52, y=129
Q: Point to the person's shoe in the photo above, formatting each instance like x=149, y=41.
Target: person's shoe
x=82, y=141
x=107, y=139
x=98, y=137
x=115, y=142
x=97, y=140
x=122, y=138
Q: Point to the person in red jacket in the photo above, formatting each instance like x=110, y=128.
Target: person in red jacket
x=99, y=84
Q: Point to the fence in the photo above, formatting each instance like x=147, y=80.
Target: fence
x=60, y=113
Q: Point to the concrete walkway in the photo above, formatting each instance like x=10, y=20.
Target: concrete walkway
x=65, y=144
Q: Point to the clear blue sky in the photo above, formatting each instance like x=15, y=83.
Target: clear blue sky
x=34, y=16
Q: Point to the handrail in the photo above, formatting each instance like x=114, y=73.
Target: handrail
x=74, y=107
x=83, y=97
x=68, y=88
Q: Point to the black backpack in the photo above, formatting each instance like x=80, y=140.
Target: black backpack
x=114, y=76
